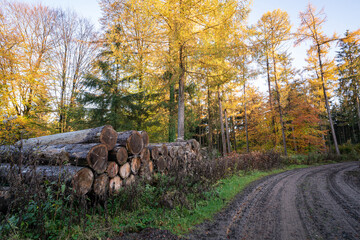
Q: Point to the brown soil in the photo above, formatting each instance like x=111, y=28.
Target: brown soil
x=314, y=203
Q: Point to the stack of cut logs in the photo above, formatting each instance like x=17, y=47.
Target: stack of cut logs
x=98, y=160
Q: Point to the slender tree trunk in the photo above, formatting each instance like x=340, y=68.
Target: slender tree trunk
x=358, y=111
x=210, y=136
x=294, y=139
x=327, y=103
x=222, y=126
x=279, y=105
x=181, y=107
x=172, y=117
x=233, y=131
x=227, y=132
x=246, y=120
x=270, y=99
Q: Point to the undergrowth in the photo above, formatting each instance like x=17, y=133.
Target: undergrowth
x=175, y=201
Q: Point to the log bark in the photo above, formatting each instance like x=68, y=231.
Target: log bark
x=112, y=169
x=101, y=185
x=115, y=185
x=135, y=165
x=162, y=148
x=51, y=173
x=105, y=135
x=145, y=137
x=93, y=155
x=132, y=140
x=125, y=171
x=119, y=154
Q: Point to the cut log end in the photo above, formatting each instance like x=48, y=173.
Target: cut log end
x=145, y=155
x=154, y=152
x=161, y=164
x=135, y=165
x=82, y=181
x=121, y=155
x=131, y=180
x=145, y=137
x=112, y=169
x=135, y=143
x=108, y=137
x=125, y=171
x=97, y=158
x=115, y=185
x=101, y=185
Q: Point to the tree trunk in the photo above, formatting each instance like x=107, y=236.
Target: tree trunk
x=172, y=110
x=246, y=120
x=227, y=132
x=327, y=102
x=294, y=139
x=210, y=136
x=181, y=103
x=132, y=140
x=358, y=113
x=270, y=98
x=81, y=178
x=233, y=131
x=222, y=126
x=119, y=154
x=93, y=155
x=105, y=134
x=279, y=106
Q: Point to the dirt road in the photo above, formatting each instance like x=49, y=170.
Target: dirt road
x=314, y=203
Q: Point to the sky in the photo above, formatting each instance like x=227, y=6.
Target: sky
x=341, y=16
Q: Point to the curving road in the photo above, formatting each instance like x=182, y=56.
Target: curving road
x=314, y=203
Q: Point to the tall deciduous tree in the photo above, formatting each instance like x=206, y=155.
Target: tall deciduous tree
x=74, y=53
x=310, y=29
x=277, y=28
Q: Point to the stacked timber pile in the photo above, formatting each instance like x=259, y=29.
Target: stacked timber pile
x=97, y=161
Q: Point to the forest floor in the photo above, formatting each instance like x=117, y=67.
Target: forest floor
x=321, y=202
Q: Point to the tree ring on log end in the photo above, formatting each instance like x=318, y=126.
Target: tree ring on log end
x=135, y=143
x=121, y=155
x=82, y=181
x=97, y=158
x=108, y=137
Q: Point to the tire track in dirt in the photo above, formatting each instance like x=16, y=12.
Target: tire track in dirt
x=313, y=203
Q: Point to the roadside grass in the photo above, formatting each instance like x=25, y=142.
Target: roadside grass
x=181, y=220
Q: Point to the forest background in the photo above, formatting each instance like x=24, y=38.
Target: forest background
x=182, y=69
